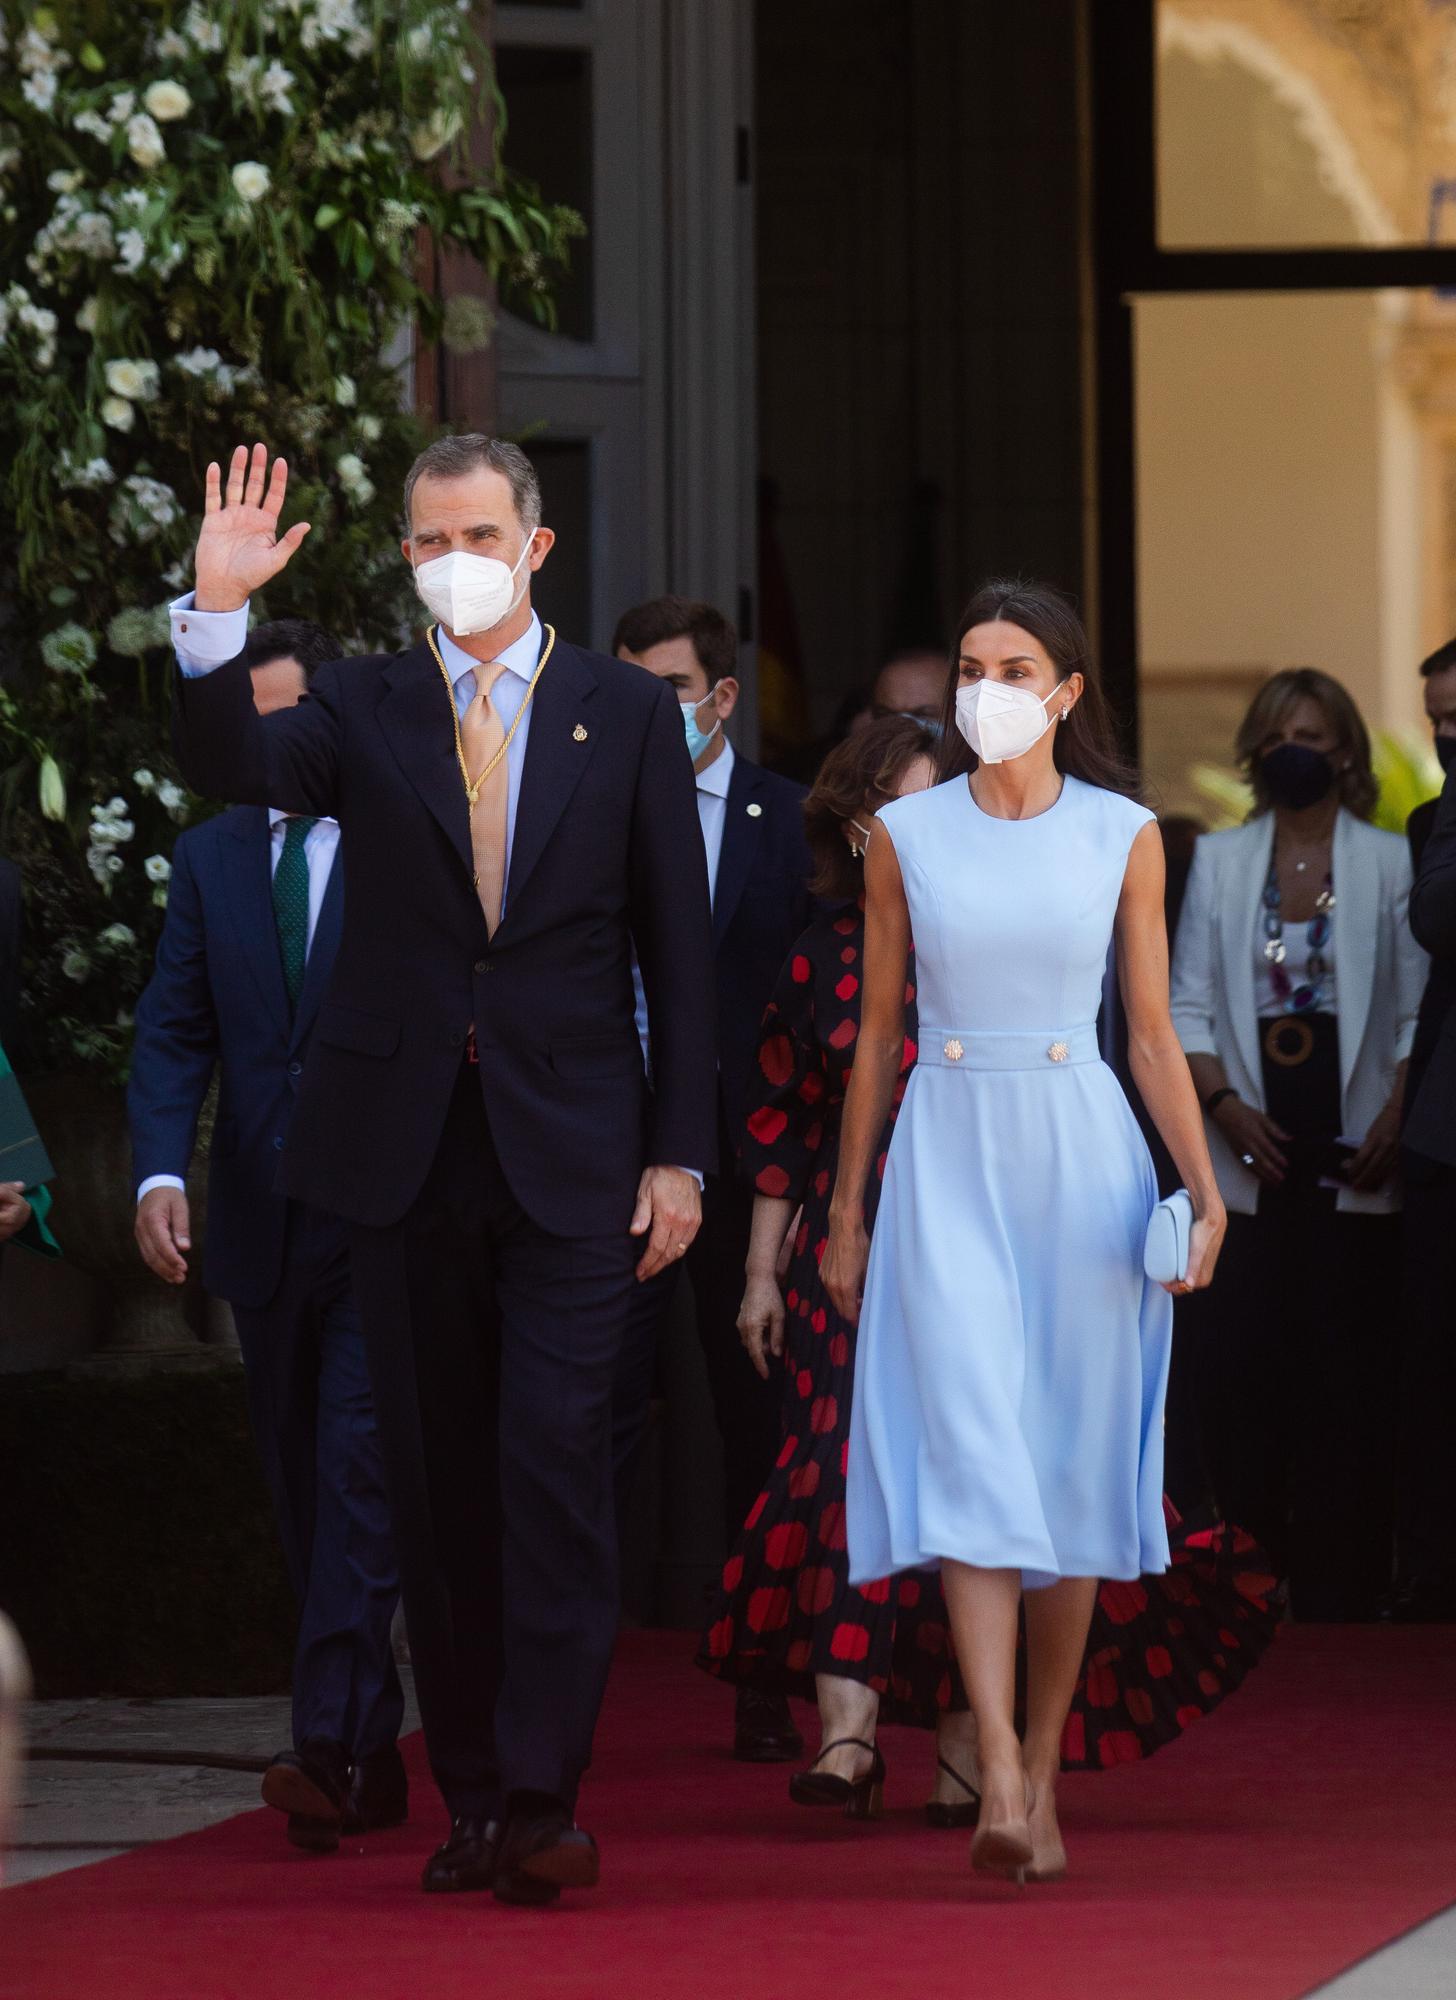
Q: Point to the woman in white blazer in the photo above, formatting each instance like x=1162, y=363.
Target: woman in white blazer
x=1295, y=988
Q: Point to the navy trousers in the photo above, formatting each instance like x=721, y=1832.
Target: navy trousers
x=492, y=1348
x=308, y=1396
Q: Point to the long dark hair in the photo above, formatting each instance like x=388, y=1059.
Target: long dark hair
x=1086, y=743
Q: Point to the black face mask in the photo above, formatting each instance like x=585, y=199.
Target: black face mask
x=1446, y=751
x=1296, y=776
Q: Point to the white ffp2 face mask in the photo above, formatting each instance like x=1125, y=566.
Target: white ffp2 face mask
x=1001, y=721
x=469, y=593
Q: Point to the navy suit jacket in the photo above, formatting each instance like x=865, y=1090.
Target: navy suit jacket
x=217, y=997
x=607, y=849
x=761, y=904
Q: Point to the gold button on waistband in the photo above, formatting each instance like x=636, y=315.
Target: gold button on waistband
x=953, y=1050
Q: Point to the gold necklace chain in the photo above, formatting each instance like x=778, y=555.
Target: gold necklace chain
x=472, y=791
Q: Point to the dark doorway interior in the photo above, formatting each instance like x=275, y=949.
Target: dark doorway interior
x=920, y=319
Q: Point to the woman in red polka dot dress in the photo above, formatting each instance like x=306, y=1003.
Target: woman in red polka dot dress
x=787, y=1616
x=1161, y=1652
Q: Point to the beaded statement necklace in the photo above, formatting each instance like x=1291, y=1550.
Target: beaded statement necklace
x=1305, y=998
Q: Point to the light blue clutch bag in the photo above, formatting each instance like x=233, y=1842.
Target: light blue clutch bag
x=1170, y=1232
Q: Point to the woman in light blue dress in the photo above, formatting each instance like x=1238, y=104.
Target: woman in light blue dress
x=1012, y=1358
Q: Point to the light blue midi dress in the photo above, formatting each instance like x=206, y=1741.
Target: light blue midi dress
x=1012, y=1359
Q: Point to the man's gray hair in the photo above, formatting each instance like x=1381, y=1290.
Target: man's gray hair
x=455, y=457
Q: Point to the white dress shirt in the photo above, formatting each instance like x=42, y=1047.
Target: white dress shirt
x=320, y=846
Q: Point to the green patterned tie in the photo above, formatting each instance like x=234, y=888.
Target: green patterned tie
x=290, y=903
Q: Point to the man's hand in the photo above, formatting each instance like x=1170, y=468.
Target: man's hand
x=14, y=1209
x=239, y=549
x=163, y=1232
x=669, y=1205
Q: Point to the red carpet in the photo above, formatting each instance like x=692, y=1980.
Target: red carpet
x=1308, y=1822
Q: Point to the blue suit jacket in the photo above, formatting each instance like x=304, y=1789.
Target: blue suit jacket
x=217, y=998
x=761, y=904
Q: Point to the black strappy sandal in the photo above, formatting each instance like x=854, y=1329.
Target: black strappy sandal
x=857, y=1798
x=961, y=1814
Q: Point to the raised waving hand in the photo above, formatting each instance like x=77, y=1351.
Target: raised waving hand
x=239, y=548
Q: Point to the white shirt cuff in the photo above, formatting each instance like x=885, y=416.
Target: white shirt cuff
x=203, y=640
x=161, y=1180
x=695, y=1174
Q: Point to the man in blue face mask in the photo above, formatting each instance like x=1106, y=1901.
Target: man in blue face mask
x=758, y=873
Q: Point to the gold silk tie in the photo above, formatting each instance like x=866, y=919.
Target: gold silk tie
x=481, y=738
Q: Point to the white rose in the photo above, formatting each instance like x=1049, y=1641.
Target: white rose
x=86, y=317
x=75, y=965
x=131, y=251
x=167, y=100
x=370, y=428
x=251, y=180
x=117, y=412
x=118, y=934
x=143, y=780
x=61, y=182
x=170, y=796
x=345, y=393
x=158, y=868
x=138, y=381
x=144, y=141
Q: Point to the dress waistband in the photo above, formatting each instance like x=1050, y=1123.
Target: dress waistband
x=943, y=1048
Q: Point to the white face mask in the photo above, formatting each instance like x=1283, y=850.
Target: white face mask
x=1001, y=721
x=469, y=593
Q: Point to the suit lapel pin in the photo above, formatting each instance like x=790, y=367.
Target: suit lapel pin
x=578, y=735
x=755, y=811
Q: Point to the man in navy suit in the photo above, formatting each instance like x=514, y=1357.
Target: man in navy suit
x=254, y=911
x=519, y=813
x=758, y=874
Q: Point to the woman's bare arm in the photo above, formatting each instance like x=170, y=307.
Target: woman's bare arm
x=877, y=1059
x=1159, y=1066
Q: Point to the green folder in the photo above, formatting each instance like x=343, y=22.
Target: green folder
x=22, y=1156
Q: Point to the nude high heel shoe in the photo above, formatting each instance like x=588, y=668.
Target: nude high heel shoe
x=1004, y=1846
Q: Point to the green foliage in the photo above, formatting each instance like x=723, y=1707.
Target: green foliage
x=1406, y=768
x=216, y=216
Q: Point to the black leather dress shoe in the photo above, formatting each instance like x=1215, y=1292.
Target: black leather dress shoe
x=467, y=1860
x=311, y=1785
x=378, y=1793
x=541, y=1855
x=763, y=1729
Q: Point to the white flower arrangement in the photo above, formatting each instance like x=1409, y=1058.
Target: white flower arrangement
x=212, y=209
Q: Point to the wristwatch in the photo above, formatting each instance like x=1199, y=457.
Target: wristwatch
x=1216, y=1097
